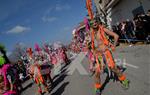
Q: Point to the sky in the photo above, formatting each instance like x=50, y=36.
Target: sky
x=39, y=21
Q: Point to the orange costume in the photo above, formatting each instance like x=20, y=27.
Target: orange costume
x=106, y=52
x=102, y=51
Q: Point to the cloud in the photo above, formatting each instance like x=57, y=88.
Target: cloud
x=59, y=7
x=50, y=9
x=67, y=28
x=18, y=29
x=49, y=19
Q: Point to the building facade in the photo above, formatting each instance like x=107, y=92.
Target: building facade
x=121, y=10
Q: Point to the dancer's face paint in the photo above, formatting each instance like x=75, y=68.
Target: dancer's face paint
x=95, y=25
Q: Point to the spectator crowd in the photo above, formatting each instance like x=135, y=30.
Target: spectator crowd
x=137, y=29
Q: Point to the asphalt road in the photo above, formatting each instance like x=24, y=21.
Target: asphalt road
x=78, y=81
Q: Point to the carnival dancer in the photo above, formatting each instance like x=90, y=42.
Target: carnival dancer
x=40, y=70
x=48, y=64
x=58, y=65
x=7, y=79
x=30, y=69
x=101, y=49
x=103, y=53
x=39, y=80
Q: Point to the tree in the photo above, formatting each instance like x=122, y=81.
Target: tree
x=18, y=51
x=3, y=51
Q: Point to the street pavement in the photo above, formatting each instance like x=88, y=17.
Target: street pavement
x=135, y=59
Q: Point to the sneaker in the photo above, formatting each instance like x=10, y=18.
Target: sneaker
x=125, y=83
x=97, y=92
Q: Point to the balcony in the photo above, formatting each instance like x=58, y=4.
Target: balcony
x=106, y=4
